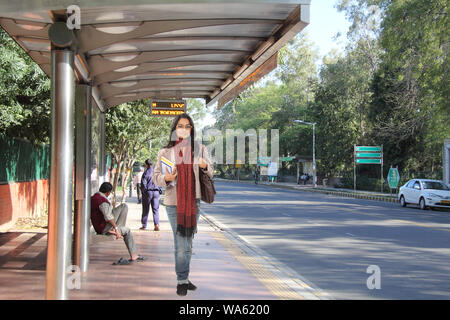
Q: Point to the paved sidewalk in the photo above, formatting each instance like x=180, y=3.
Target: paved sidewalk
x=222, y=267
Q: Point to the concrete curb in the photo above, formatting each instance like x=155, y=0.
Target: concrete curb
x=357, y=195
x=350, y=194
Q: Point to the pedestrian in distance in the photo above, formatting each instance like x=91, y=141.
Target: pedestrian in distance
x=256, y=174
x=183, y=193
x=150, y=196
x=109, y=221
x=137, y=184
x=304, y=178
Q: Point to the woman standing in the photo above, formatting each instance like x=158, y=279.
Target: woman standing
x=182, y=197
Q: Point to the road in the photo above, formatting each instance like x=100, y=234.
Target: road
x=331, y=241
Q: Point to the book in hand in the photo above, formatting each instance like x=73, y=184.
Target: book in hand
x=167, y=166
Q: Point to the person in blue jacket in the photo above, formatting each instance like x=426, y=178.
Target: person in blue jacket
x=150, y=197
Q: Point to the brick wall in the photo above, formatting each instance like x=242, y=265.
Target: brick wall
x=22, y=199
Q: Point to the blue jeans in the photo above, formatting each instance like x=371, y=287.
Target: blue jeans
x=183, y=245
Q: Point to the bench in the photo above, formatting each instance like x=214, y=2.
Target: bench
x=97, y=238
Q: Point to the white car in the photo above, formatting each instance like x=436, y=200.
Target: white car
x=425, y=193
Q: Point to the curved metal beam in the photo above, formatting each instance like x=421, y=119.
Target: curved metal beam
x=107, y=90
x=90, y=38
x=156, y=66
x=99, y=64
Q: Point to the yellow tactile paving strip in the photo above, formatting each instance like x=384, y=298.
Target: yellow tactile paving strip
x=266, y=277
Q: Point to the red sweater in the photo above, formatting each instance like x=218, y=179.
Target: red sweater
x=97, y=218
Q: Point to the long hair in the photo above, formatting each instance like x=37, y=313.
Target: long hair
x=173, y=135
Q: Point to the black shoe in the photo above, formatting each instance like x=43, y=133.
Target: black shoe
x=191, y=286
x=182, y=289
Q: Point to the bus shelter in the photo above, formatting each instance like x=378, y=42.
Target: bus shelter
x=100, y=54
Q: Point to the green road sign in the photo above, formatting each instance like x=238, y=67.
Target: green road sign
x=393, y=178
x=286, y=158
x=368, y=155
x=263, y=161
x=368, y=161
x=368, y=149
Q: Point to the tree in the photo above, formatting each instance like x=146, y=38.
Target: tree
x=129, y=129
x=410, y=110
x=196, y=109
x=24, y=94
x=341, y=106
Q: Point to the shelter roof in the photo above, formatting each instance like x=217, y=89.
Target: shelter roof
x=136, y=49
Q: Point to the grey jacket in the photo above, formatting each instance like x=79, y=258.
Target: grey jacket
x=170, y=197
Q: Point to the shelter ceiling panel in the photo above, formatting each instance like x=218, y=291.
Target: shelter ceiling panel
x=184, y=88
x=40, y=57
x=175, y=74
x=99, y=64
x=91, y=38
x=252, y=30
x=25, y=28
x=195, y=11
x=172, y=44
x=160, y=48
x=234, y=56
x=163, y=66
x=112, y=89
x=28, y=15
x=34, y=44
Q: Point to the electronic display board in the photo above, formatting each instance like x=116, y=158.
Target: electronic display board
x=167, y=108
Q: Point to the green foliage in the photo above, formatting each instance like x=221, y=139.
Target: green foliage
x=196, y=108
x=130, y=128
x=390, y=87
x=24, y=94
x=276, y=104
x=410, y=110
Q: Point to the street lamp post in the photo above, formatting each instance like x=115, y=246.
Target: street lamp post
x=314, y=148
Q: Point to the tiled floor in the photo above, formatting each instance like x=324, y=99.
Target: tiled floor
x=216, y=272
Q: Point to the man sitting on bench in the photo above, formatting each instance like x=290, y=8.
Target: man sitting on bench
x=107, y=220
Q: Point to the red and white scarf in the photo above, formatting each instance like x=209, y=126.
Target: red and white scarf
x=186, y=212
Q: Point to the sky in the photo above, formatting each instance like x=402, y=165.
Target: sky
x=325, y=22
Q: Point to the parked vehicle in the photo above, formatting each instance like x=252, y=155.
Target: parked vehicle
x=425, y=193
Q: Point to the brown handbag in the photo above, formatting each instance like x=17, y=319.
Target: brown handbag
x=206, y=186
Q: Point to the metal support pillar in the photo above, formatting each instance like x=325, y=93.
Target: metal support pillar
x=314, y=156
x=446, y=162
x=61, y=175
x=83, y=125
x=102, y=170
